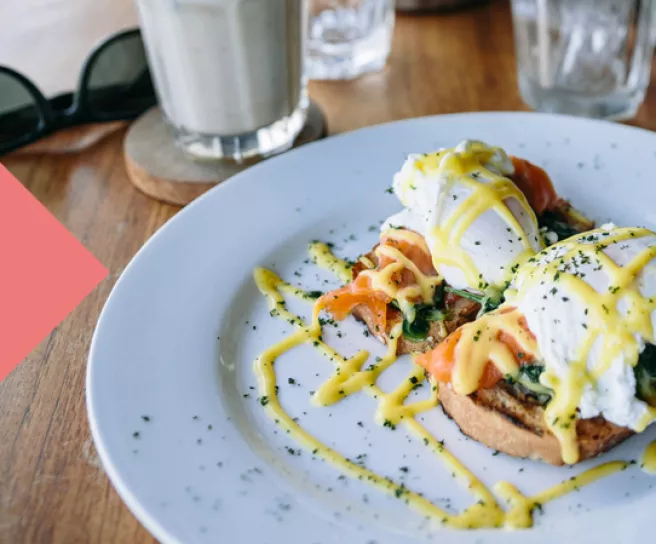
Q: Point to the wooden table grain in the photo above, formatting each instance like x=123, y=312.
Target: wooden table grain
x=52, y=488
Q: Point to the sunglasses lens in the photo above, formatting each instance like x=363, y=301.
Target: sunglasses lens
x=119, y=79
x=19, y=114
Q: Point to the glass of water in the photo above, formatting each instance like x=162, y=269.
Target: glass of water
x=347, y=38
x=584, y=57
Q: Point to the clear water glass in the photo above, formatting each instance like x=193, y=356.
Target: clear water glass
x=347, y=38
x=590, y=58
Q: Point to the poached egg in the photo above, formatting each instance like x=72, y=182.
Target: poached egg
x=589, y=300
x=477, y=223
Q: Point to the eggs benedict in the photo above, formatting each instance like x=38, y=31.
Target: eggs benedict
x=565, y=368
x=470, y=218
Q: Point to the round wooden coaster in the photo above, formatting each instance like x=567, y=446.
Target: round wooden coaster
x=161, y=170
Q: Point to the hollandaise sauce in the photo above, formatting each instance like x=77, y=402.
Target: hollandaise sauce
x=649, y=459
x=353, y=375
x=384, y=278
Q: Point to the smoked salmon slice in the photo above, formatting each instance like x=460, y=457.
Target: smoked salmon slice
x=341, y=302
x=536, y=185
x=441, y=361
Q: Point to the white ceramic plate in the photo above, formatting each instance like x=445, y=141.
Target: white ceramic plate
x=177, y=425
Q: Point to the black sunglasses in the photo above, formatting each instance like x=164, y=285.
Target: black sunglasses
x=114, y=84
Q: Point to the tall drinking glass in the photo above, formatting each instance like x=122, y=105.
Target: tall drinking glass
x=584, y=57
x=348, y=38
x=229, y=74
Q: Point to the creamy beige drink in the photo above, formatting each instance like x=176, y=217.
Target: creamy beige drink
x=229, y=73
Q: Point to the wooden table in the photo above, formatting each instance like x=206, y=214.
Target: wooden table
x=52, y=488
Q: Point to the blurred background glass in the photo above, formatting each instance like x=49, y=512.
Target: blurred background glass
x=584, y=57
x=229, y=75
x=348, y=38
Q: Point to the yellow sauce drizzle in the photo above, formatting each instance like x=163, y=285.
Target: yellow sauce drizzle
x=605, y=321
x=521, y=507
x=367, y=262
x=392, y=411
x=469, y=168
x=648, y=463
x=479, y=343
x=383, y=279
x=320, y=253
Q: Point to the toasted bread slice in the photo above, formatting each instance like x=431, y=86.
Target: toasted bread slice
x=513, y=423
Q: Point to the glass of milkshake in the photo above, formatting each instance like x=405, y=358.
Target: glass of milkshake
x=229, y=74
